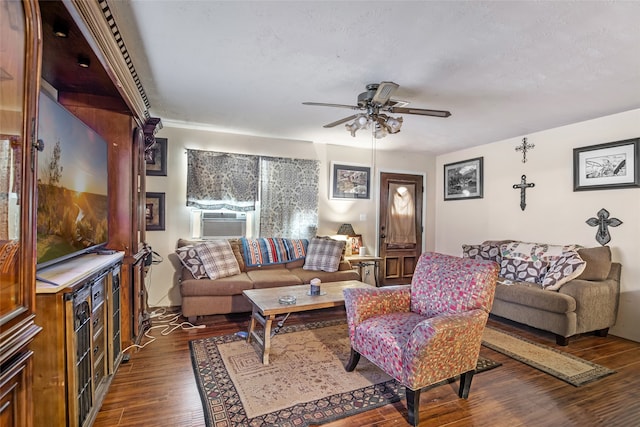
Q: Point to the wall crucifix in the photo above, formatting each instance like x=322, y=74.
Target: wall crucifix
x=523, y=188
x=603, y=222
x=524, y=148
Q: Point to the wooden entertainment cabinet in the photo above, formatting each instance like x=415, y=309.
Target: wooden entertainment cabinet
x=42, y=42
x=80, y=346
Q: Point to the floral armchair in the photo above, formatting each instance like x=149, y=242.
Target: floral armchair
x=428, y=331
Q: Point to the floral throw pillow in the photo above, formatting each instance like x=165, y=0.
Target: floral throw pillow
x=482, y=252
x=218, y=258
x=191, y=261
x=523, y=271
x=563, y=269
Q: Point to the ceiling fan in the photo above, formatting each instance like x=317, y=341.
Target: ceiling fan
x=373, y=106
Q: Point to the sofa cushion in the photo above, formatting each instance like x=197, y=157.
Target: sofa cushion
x=486, y=252
x=561, y=270
x=324, y=254
x=532, y=295
x=324, y=276
x=598, y=263
x=218, y=258
x=232, y=285
x=524, y=271
x=191, y=261
x=272, y=277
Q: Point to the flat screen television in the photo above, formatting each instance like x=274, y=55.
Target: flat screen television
x=72, y=193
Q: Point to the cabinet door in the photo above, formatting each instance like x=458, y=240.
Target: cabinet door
x=19, y=77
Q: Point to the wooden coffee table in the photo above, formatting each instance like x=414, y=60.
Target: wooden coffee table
x=266, y=306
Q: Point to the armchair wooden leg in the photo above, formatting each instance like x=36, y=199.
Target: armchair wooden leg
x=413, y=406
x=602, y=332
x=560, y=340
x=354, y=358
x=465, y=384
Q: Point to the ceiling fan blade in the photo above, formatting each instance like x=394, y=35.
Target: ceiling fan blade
x=384, y=92
x=419, y=111
x=322, y=104
x=339, y=122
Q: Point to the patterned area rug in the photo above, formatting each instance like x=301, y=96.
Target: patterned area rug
x=305, y=381
x=554, y=362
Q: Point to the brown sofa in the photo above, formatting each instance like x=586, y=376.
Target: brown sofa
x=201, y=297
x=586, y=303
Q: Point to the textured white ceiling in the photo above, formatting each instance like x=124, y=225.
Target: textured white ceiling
x=503, y=69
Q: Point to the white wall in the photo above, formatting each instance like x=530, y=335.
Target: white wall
x=162, y=281
x=554, y=212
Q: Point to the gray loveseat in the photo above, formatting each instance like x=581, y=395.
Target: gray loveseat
x=586, y=302
x=204, y=296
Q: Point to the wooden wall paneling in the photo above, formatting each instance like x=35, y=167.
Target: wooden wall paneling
x=49, y=382
x=117, y=129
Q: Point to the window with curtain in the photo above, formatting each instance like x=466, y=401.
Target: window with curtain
x=222, y=180
x=288, y=189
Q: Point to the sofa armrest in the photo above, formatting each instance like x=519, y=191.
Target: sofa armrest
x=430, y=343
x=596, y=302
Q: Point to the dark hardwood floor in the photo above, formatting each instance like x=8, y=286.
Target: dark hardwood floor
x=156, y=387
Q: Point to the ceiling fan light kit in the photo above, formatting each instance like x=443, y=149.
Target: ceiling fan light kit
x=374, y=103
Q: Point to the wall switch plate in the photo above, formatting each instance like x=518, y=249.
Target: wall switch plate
x=363, y=217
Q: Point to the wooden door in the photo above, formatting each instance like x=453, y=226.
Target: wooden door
x=400, y=242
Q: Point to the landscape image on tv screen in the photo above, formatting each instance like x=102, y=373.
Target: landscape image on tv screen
x=72, y=185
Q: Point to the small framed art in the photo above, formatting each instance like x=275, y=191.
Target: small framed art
x=355, y=242
x=463, y=180
x=155, y=158
x=154, y=211
x=350, y=181
x=607, y=166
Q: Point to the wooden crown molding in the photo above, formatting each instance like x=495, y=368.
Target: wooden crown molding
x=95, y=20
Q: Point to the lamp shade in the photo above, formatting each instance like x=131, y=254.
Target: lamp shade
x=346, y=230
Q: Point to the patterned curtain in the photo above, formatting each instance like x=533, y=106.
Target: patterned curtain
x=222, y=180
x=289, y=197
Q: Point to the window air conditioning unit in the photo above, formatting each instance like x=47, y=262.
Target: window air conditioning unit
x=220, y=225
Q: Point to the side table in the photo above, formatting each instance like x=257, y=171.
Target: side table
x=362, y=261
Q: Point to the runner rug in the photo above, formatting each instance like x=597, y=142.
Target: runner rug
x=569, y=368
x=305, y=381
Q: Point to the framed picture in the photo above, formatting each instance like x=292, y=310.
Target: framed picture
x=350, y=181
x=355, y=242
x=154, y=211
x=463, y=180
x=155, y=158
x=607, y=166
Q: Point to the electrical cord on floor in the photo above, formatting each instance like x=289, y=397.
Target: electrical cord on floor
x=171, y=324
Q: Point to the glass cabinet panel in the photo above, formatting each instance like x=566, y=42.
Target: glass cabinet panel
x=12, y=142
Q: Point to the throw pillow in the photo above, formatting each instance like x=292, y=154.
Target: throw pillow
x=523, y=271
x=598, y=263
x=324, y=254
x=189, y=258
x=218, y=258
x=534, y=251
x=482, y=252
x=567, y=267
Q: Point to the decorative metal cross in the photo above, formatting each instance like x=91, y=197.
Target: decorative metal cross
x=523, y=188
x=524, y=148
x=603, y=222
